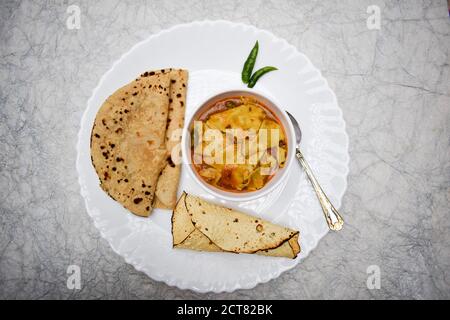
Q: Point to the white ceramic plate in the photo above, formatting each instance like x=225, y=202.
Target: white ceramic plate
x=214, y=52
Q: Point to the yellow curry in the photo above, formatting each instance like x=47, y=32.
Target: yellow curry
x=238, y=144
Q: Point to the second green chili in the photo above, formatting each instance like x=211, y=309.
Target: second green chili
x=258, y=74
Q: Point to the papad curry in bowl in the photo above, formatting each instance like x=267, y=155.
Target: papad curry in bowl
x=239, y=145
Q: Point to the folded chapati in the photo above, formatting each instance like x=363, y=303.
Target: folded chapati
x=167, y=187
x=200, y=225
x=128, y=147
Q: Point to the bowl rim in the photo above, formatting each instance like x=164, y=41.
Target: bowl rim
x=273, y=106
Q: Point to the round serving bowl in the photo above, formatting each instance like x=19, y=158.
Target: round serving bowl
x=279, y=176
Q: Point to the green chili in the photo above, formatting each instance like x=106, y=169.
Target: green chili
x=258, y=74
x=250, y=63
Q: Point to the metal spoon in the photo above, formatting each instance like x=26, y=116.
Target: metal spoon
x=334, y=219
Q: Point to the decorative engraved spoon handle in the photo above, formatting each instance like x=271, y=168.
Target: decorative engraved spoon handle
x=334, y=219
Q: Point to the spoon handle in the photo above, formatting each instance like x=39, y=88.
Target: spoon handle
x=334, y=219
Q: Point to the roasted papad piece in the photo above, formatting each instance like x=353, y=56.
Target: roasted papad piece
x=167, y=187
x=200, y=225
x=128, y=148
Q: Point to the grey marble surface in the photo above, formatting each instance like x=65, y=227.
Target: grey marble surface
x=393, y=85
